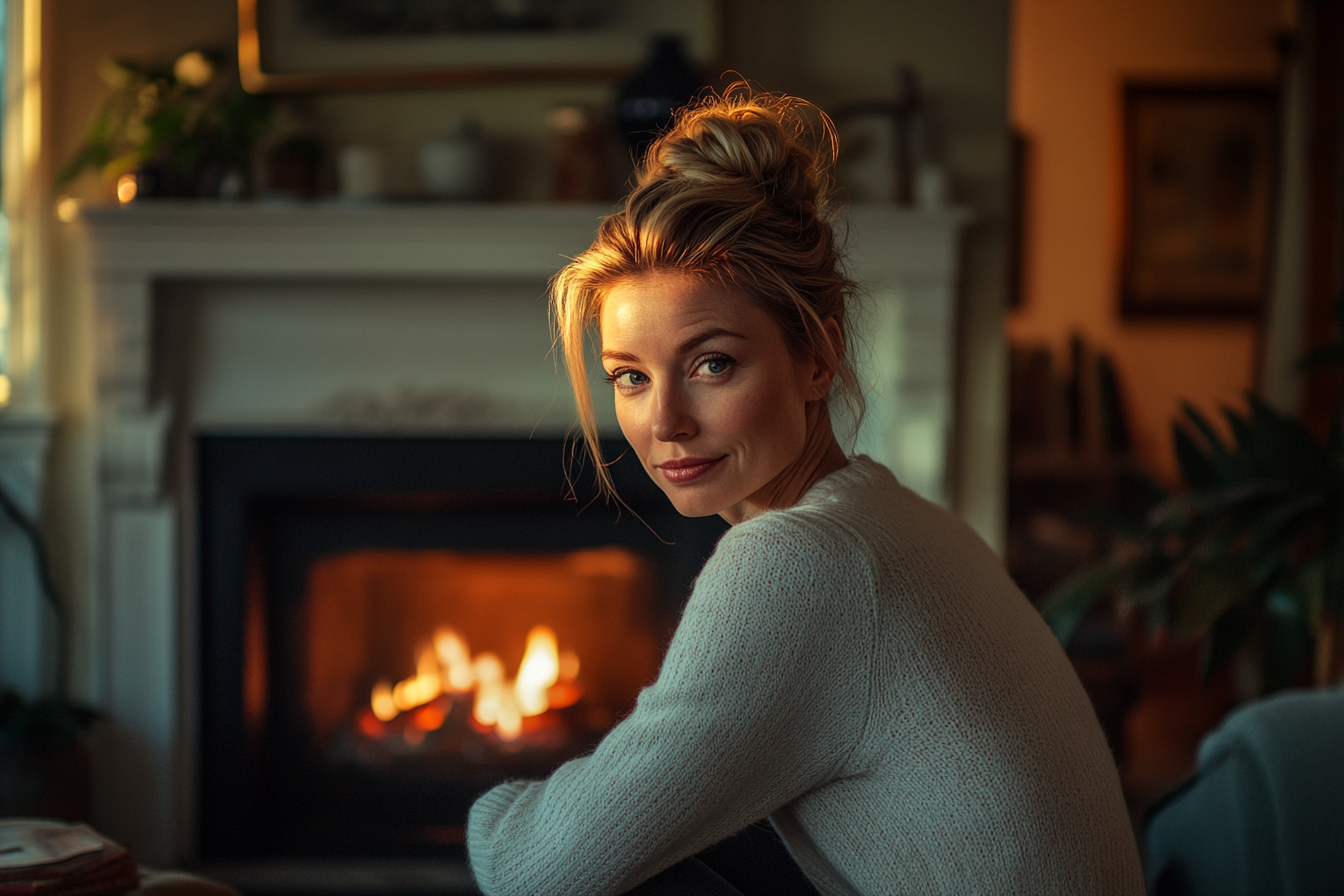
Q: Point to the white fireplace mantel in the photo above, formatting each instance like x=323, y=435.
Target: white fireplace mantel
x=906, y=260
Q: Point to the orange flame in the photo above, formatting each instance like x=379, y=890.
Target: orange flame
x=539, y=670
x=384, y=707
x=455, y=659
x=546, y=679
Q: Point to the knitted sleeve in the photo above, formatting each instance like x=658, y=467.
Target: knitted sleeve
x=761, y=696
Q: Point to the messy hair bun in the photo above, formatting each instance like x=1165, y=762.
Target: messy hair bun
x=737, y=193
x=753, y=143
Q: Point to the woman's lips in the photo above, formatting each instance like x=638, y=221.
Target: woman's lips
x=685, y=469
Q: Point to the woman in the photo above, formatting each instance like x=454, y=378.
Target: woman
x=853, y=662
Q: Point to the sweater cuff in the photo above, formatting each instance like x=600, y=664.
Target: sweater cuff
x=482, y=826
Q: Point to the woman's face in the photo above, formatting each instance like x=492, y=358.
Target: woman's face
x=706, y=392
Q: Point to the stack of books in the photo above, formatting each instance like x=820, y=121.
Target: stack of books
x=41, y=857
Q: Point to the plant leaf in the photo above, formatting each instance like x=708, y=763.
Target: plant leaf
x=1213, y=441
x=1151, y=584
x=1243, y=434
x=1207, y=593
x=1207, y=501
x=1066, y=605
x=1284, y=448
x=1197, y=470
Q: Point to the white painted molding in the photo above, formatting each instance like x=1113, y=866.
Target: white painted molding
x=201, y=240
x=132, y=445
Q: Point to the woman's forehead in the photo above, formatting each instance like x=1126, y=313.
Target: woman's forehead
x=667, y=305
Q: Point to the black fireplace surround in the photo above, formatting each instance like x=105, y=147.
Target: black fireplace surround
x=269, y=506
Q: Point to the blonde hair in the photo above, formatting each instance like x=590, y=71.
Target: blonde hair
x=736, y=193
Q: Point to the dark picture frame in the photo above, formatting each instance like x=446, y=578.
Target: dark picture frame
x=1200, y=179
x=284, y=48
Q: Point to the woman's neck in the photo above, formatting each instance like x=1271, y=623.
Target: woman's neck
x=820, y=457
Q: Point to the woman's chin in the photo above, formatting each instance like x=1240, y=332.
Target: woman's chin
x=689, y=504
x=695, y=509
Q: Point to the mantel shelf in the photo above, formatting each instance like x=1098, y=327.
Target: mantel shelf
x=166, y=238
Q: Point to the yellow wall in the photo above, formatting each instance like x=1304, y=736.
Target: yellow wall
x=1069, y=60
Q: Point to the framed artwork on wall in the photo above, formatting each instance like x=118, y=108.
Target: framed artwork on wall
x=1200, y=166
x=294, y=46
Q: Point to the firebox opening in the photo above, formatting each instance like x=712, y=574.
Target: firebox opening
x=392, y=625
x=455, y=659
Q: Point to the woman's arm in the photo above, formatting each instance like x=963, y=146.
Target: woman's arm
x=760, y=698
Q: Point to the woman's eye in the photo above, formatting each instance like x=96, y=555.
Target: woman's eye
x=716, y=366
x=626, y=379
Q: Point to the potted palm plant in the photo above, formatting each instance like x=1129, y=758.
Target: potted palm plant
x=1247, y=558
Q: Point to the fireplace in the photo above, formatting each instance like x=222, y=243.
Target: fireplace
x=357, y=325
x=390, y=626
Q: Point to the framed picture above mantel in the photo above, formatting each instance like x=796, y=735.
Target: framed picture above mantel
x=1200, y=166
x=296, y=46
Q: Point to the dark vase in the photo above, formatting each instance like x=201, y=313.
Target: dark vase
x=294, y=169
x=152, y=182
x=649, y=98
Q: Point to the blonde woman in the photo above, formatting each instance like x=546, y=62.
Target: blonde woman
x=853, y=663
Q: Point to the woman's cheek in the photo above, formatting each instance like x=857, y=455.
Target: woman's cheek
x=760, y=415
x=627, y=417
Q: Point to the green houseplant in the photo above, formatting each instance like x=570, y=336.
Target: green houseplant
x=1248, y=558
x=186, y=129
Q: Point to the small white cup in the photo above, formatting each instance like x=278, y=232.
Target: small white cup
x=930, y=187
x=360, y=170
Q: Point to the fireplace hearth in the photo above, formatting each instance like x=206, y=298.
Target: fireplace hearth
x=391, y=625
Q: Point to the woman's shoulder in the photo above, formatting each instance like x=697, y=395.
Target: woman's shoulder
x=783, y=568
x=861, y=479
x=822, y=534
x=862, y=511
x=840, y=509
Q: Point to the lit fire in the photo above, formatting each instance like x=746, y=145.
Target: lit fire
x=546, y=679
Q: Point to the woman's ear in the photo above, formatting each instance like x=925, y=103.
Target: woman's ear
x=826, y=361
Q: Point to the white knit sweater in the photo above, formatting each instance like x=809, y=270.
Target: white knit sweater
x=859, y=668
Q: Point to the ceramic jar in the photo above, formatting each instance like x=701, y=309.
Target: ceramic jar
x=456, y=163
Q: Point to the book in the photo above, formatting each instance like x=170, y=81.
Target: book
x=58, y=858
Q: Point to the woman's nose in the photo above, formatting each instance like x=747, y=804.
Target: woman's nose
x=672, y=419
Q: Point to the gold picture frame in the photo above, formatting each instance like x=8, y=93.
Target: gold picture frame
x=280, y=52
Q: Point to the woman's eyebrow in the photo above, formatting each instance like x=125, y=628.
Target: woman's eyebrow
x=707, y=335
x=687, y=346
